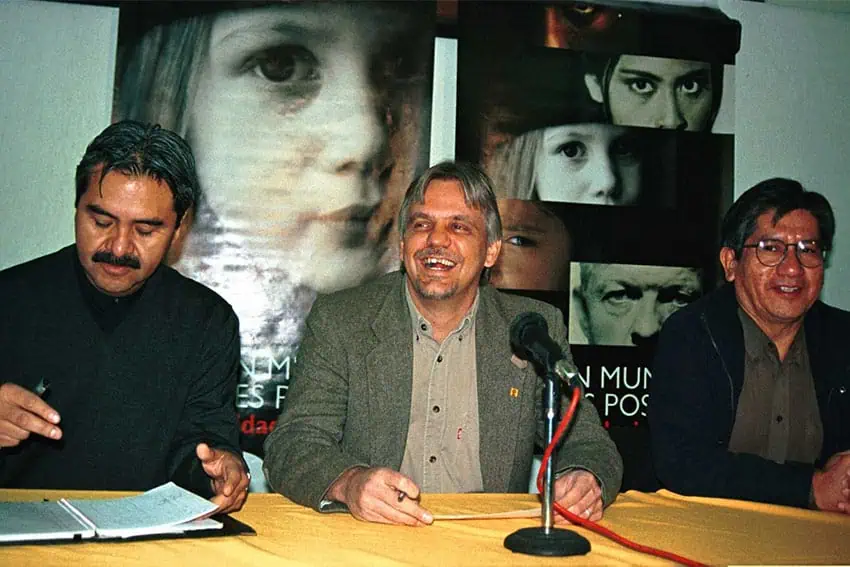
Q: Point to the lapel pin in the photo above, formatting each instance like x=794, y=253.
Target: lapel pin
x=514, y=392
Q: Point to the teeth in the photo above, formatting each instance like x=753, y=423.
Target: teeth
x=430, y=262
x=788, y=289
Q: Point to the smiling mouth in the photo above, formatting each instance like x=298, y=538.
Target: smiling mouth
x=433, y=263
x=437, y=260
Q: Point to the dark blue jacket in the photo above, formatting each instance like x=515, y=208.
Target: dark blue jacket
x=696, y=382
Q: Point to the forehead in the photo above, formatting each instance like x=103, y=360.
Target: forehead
x=313, y=21
x=131, y=195
x=602, y=133
x=519, y=214
x=660, y=66
x=445, y=197
x=643, y=277
x=798, y=223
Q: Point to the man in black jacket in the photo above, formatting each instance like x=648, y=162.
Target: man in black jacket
x=749, y=395
x=141, y=362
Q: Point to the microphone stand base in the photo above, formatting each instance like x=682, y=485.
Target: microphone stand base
x=555, y=543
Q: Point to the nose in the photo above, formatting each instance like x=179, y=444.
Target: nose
x=602, y=181
x=355, y=137
x=120, y=242
x=790, y=264
x=669, y=115
x=438, y=237
x=647, y=322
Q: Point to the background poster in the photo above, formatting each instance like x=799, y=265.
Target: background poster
x=607, y=130
x=308, y=121
x=608, y=136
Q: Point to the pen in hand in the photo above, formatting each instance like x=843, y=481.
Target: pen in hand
x=402, y=495
x=41, y=388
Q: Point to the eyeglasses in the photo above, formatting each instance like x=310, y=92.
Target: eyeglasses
x=771, y=252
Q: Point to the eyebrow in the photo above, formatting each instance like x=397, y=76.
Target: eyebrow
x=653, y=77
x=101, y=211
x=519, y=227
x=565, y=136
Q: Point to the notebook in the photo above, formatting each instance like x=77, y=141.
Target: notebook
x=166, y=509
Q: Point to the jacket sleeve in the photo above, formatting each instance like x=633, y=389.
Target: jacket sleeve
x=586, y=444
x=691, y=412
x=209, y=414
x=303, y=453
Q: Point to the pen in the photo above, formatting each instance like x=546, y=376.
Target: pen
x=402, y=495
x=41, y=387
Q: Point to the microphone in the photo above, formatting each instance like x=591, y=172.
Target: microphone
x=531, y=341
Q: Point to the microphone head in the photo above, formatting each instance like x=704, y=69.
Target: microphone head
x=525, y=327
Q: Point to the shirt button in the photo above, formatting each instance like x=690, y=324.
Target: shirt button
x=432, y=459
x=779, y=419
x=440, y=358
x=424, y=327
x=436, y=409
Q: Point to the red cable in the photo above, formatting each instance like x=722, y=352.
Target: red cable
x=593, y=526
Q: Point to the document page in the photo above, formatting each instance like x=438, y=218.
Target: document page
x=160, y=510
x=26, y=521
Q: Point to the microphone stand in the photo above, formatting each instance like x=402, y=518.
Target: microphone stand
x=548, y=540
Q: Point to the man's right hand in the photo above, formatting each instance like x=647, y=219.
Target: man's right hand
x=22, y=412
x=373, y=495
x=831, y=486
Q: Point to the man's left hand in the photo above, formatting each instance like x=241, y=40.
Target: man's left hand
x=228, y=475
x=579, y=492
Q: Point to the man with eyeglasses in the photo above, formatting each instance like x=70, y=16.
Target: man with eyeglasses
x=749, y=394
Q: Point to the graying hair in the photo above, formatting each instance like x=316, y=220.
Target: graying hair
x=477, y=193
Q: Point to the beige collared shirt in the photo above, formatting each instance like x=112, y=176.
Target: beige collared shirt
x=442, y=449
x=777, y=416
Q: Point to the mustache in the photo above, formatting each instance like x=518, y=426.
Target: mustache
x=127, y=260
x=438, y=252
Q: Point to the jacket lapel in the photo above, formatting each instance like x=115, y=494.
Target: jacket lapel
x=498, y=412
x=389, y=371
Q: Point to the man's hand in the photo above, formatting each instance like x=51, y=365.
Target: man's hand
x=831, y=486
x=23, y=412
x=375, y=495
x=229, y=477
x=579, y=492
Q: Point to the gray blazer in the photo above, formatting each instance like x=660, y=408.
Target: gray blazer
x=348, y=401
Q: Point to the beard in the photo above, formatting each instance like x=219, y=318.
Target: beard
x=423, y=290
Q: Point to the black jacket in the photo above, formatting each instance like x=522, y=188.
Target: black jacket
x=697, y=378
x=135, y=399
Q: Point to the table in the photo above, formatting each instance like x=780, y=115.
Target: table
x=710, y=530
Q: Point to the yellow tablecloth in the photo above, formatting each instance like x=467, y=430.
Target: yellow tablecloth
x=710, y=530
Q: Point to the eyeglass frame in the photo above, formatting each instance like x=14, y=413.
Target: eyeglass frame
x=785, y=245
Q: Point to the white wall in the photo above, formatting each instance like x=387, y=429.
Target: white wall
x=792, y=111
x=57, y=63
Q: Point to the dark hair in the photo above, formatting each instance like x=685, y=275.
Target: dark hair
x=139, y=149
x=477, y=193
x=781, y=196
x=602, y=66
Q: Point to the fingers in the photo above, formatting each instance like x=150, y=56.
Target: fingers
x=204, y=452
x=579, y=492
x=228, y=475
x=23, y=413
x=373, y=495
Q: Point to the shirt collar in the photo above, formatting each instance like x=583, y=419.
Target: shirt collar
x=758, y=344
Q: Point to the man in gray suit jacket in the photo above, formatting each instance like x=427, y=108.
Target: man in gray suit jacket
x=408, y=383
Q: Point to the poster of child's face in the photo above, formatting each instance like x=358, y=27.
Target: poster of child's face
x=307, y=121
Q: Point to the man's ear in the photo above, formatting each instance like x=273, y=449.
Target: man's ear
x=594, y=87
x=729, y=261
x=492, y=254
